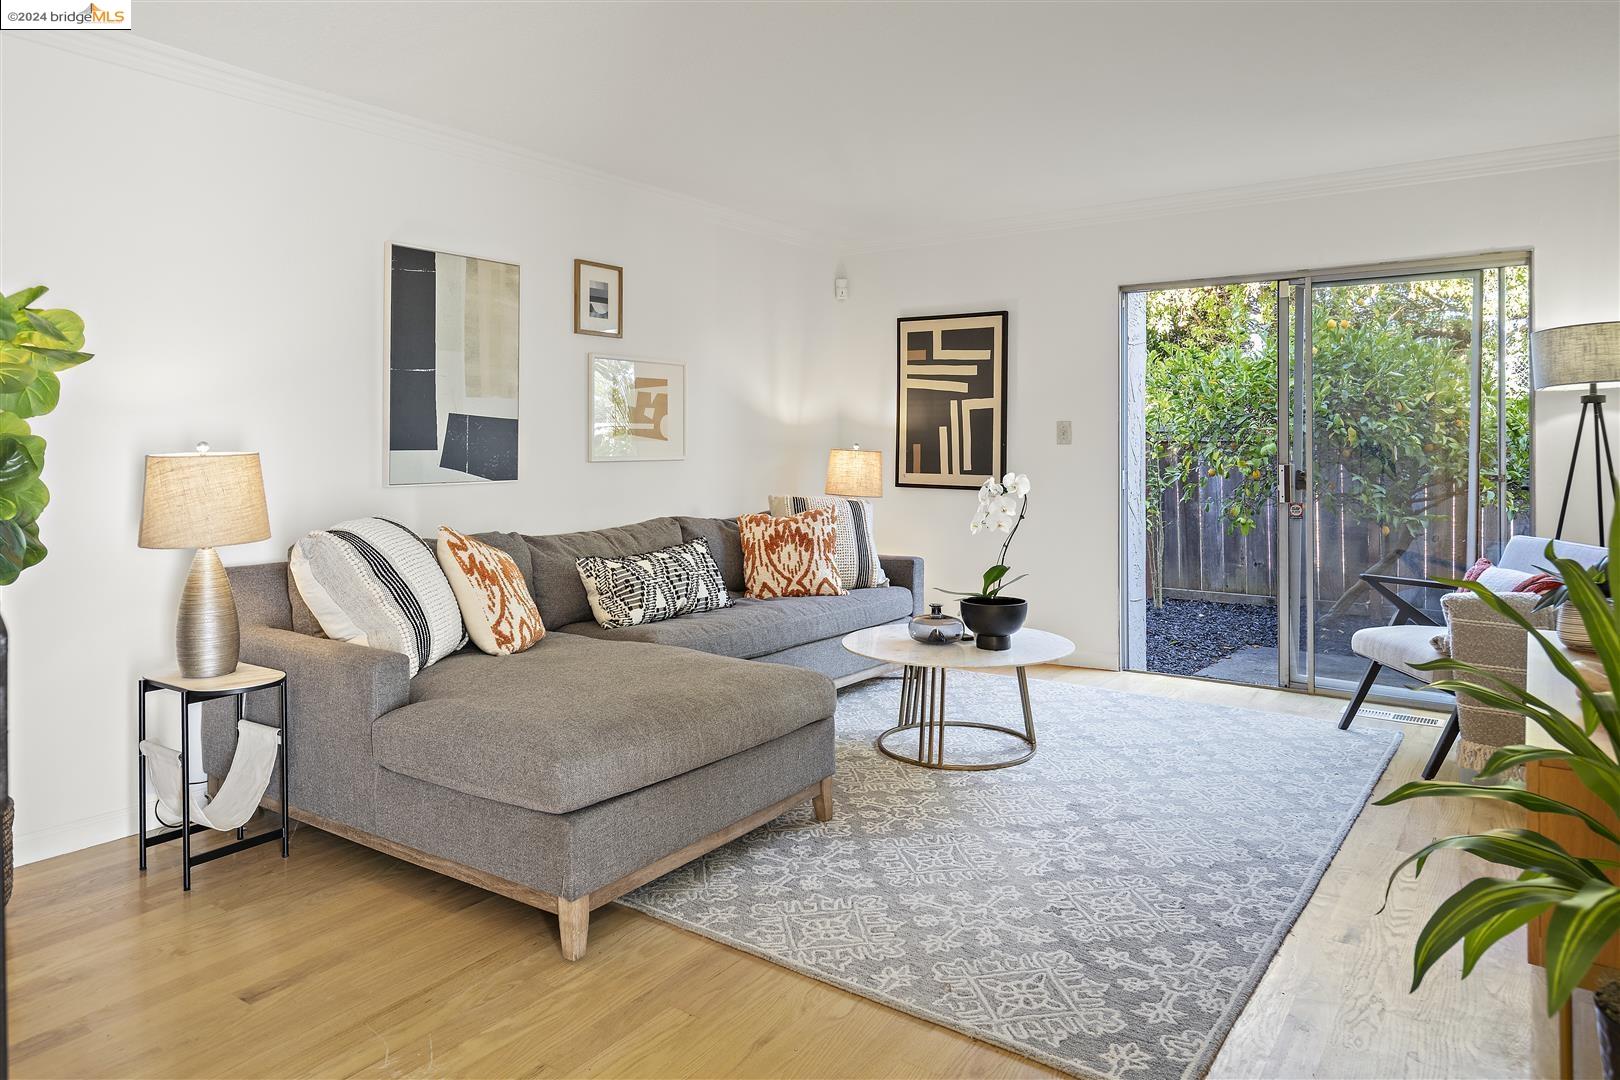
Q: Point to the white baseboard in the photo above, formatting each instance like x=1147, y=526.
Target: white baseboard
x=73, y=835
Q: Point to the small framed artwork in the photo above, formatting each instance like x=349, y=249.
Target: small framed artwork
x=952, y=423
x=598, y=299
x=637, y=409
x=452, y=404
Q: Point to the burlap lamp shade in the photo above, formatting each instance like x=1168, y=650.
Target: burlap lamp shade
x=855, y=473
x=204, y=500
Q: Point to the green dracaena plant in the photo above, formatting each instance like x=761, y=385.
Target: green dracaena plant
x=35, y=344
x=1584, y=904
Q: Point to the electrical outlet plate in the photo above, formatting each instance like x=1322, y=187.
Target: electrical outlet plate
x=1065, y=432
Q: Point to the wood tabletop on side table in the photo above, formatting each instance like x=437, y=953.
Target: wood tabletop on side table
x=245, y=677
x=1546, y=682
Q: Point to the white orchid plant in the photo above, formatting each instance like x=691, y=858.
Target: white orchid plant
x=1002, y=506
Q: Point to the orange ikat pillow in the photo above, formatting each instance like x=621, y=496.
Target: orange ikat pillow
x=495, y=604
x=791, y=556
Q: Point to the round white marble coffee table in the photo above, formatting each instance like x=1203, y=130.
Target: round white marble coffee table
x=922, y=689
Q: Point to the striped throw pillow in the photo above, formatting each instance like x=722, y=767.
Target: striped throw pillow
x=374, y=582
x=855, y=553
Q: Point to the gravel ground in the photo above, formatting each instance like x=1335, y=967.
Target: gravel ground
x=1186, y=636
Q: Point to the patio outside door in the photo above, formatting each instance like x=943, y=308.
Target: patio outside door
x=1286, y=435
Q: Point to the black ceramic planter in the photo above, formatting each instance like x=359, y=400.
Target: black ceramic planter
x=994, y=620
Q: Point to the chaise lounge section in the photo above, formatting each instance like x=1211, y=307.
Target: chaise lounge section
x=569, y=774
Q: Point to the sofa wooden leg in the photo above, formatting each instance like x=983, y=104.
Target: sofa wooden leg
x=823, y=800
x=573, y=923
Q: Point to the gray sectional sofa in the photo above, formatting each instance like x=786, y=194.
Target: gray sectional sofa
x=569, y=774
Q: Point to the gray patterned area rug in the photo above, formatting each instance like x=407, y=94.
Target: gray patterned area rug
x=1105, y=908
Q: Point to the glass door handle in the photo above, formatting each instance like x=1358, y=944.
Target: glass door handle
x=1285, y=489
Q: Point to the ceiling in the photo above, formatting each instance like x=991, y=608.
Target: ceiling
x=885, y=123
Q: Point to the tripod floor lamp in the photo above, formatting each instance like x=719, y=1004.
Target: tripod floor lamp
x=1583, y=355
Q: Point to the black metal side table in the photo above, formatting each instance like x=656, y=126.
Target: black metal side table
x=238, y=684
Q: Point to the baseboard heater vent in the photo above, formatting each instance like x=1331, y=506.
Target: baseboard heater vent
x=1375, y=713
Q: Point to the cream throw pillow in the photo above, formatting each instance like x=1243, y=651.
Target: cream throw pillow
x=374, y=582
x=495, y=604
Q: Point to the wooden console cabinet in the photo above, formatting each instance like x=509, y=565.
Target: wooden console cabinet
x=1556, y=781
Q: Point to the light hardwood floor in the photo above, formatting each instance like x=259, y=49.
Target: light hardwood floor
x=344, y=962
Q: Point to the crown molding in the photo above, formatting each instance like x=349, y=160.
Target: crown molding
x=135, y=53
x=1437, y=170
x=130, y=51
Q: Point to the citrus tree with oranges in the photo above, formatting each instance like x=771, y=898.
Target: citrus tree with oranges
x=1390, y=378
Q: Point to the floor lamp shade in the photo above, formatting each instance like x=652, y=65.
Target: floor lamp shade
x=204, y=501
x=1583, y=355
x=855, y=473
x=1575, y=355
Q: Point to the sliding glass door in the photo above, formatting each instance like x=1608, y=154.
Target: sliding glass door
x=1285, y=436
x=1416, y=454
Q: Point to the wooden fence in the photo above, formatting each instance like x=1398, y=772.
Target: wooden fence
x=1205, y=559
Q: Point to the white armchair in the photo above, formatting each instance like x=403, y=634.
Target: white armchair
x=1471, y=632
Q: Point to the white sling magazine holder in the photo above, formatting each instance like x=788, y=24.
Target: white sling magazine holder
x=239, y=793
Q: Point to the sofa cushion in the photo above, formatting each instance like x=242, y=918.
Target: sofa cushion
x=554, y=572
x=725, y=544
x=1400, y=647
x=751, y=628
x=572, y=722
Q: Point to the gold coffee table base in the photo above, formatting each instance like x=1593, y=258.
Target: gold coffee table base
x=922, y=712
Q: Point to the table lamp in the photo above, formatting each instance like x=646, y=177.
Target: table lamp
x=204, y=500
x=855, y=473
x=1582, y=355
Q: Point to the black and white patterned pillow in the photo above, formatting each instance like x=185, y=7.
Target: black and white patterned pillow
x=628, y=590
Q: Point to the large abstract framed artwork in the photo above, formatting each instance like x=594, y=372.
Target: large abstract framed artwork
x=637, y=409
x=452, y=368
x=952, y=429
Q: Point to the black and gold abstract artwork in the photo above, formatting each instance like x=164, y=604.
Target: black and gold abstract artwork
x=953, y=400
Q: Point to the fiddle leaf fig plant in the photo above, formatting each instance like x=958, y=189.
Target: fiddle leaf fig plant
x=1577, y=893
x=35, y=345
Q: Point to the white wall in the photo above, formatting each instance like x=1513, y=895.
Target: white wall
x=1062, y=289
x=228, y=258
x=227, y=251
